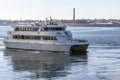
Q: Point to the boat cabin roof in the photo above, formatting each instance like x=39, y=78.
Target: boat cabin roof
x=45, y=26
x=49, y=24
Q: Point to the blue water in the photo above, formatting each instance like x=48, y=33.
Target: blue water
x=101, y=62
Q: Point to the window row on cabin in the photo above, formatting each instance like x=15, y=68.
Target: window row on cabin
x=52, y=28
x=26, y=29
x=35, y=37
x=42, y=29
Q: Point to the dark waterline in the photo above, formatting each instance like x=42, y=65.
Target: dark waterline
x=101, y=62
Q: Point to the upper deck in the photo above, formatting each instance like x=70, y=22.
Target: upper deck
x=23, y=31
x=51, y=26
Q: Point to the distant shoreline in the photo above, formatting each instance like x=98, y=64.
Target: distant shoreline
x=5, y=25
x=82, y=25
x=94, y=25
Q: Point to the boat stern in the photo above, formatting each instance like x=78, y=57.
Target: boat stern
x=79, y=47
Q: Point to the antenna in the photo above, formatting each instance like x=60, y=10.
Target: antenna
x=46, y=21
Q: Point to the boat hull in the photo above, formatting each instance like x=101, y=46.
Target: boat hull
x=45, y=47
x=79, y=47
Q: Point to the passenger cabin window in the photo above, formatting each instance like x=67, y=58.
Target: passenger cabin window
x=34, y=37
x=26, y=37
x=52, y=29
x=27, y=29
x=49, y=38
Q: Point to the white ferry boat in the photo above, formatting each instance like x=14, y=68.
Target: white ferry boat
x=48, y=37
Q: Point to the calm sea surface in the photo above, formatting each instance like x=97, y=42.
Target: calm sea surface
x=101, y=62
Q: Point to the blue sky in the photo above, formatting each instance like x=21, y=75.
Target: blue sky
x=59, y=9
